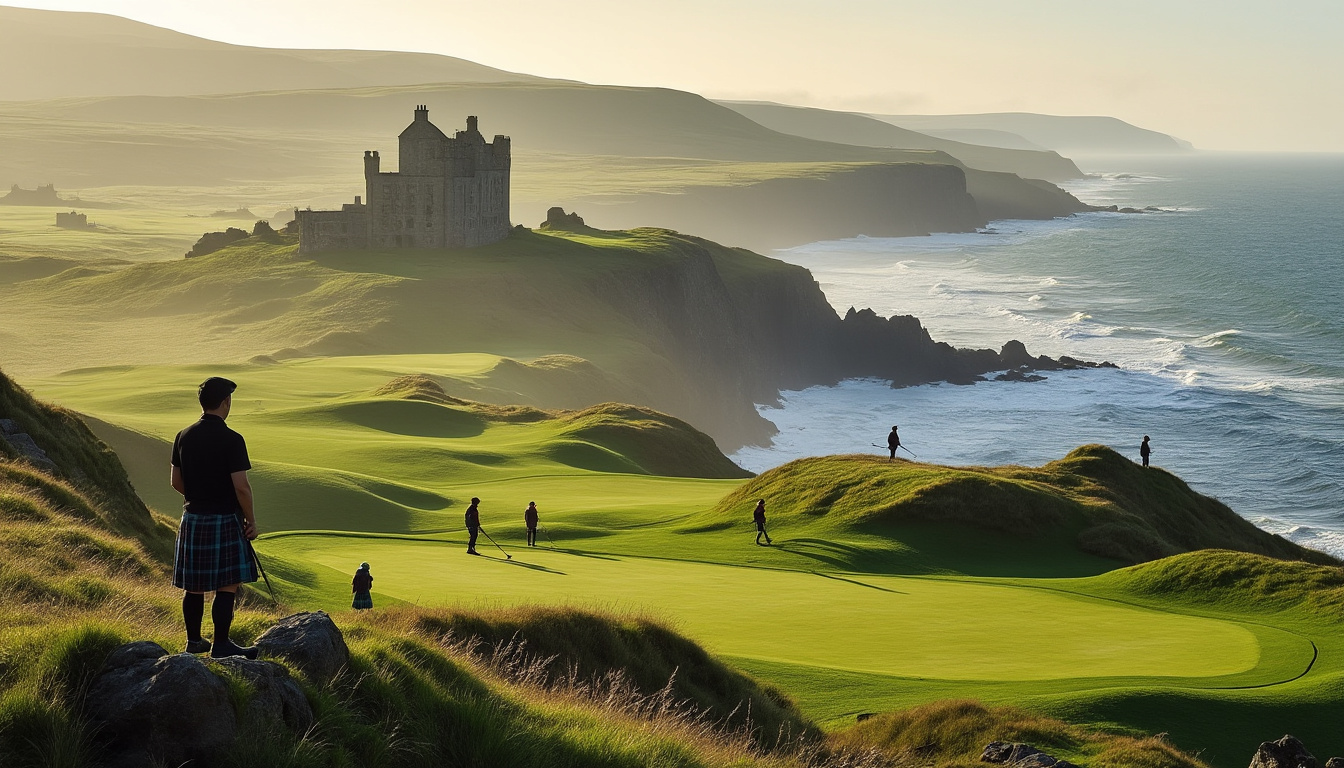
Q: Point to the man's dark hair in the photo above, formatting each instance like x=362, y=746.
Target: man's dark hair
x=213, y=391
x=475, y=500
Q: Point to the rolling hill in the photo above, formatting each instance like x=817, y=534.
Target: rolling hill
x=865, y=131
x=1096, y=135
x=63, y=53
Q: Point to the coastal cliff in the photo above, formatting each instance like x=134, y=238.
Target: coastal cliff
x=579, y=316
x=875, y=200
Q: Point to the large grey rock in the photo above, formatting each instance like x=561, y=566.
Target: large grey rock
x=158, y=708
x=310, y=641
x=1020, y=755
x=276, y=697
x=1287, y=752
x=29, y=449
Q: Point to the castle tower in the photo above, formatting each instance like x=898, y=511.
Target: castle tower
x=447, y=193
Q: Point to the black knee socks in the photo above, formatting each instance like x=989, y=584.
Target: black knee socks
x=193, y=610
x=221, y=612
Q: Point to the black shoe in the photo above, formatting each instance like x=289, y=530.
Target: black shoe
x=473, y=552
x=227, y=649
x=199, y=645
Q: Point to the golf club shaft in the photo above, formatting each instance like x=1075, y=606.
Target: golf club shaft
x=261, y=570
x=492, y=541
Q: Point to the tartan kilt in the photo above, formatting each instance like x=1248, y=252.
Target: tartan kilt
x=363, y=600
x=211, y=553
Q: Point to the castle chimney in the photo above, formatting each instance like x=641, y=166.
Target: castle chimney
x=371, y=163
x=421, y=112
x=359, y=200
x=471, y=124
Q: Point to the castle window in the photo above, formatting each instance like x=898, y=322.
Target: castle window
x=429, y=210
x=410, y=223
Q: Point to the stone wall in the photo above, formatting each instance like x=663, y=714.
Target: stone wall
x=343, y=230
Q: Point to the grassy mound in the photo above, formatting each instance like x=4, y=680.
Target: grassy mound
x=1107, y=505
x=563, y=643
x=654, y=442
x=953, y=733
x=87, y=478
x=610, y=437
x=1237, y=581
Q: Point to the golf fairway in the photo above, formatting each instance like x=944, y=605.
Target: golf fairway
x=950, y=629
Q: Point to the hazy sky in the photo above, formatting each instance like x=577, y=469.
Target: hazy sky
x=1224, y=74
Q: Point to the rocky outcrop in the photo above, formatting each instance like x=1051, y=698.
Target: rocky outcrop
x=310, y=641
x=557, y=219
x=156, y=708
x=1020, y=756
x=1287, y=752
x=151, y=707
x=900, y=349
x=275, y=697
x=213, y=241
x=23, y=443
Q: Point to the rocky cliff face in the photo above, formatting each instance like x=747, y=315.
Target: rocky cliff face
x=739, y=327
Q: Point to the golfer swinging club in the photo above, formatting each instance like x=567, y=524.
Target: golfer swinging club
x=893, y=442
x=213, y=553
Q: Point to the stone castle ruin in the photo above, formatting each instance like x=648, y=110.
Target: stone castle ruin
x=448, y=193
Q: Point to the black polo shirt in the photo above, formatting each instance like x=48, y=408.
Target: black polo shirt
x=208, y=453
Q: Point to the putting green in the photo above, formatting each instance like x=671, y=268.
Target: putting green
x=916, y=627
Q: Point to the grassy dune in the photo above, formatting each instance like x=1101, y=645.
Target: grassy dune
x=890, y=585
x=1094, y=502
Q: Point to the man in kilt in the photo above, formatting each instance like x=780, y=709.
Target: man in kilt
x=214, y=550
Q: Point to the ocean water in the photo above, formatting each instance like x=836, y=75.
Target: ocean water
x=1224, y=310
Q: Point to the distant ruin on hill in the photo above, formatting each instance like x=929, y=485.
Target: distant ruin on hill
x=447, y=193
x=45, y=195
x=73, y=220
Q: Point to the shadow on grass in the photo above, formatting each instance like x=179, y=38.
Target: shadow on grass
x=520, y=564
x=858, y=583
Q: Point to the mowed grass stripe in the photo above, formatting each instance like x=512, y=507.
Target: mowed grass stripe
x=926, y=628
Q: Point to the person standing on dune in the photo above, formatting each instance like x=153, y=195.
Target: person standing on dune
x=1145, y=450
x=214, y=538
x=893, y=442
